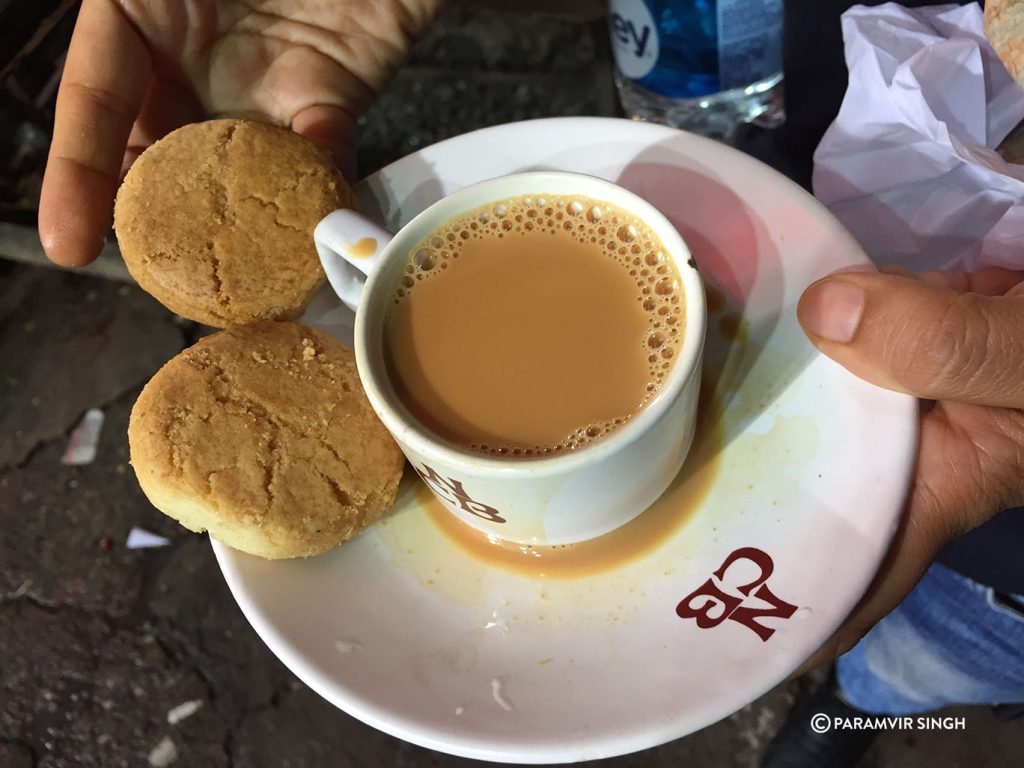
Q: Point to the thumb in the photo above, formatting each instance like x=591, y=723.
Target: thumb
x=906, y=335
x=333, y=129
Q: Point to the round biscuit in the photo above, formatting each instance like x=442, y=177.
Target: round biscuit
x=216, y=220
x=262, y=435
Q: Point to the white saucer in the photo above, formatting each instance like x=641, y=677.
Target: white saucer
x=405, y=630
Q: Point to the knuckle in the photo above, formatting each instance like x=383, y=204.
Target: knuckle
x=90, y=99
x=950, y=350
x=962, y=342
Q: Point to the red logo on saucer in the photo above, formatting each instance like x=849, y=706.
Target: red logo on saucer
x=715, y=600
x=452, y=491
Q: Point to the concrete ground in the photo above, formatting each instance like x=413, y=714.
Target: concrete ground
x=99, y=643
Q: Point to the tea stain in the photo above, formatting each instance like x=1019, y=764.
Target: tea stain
x=714, y=299
x=363, y=248
x=733, y=328
x=660, y=522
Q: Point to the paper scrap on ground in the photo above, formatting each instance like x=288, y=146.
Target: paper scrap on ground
x=163, y=754
x=81, y=448
x=909, y=166
x=139, y=538
x=184, y=710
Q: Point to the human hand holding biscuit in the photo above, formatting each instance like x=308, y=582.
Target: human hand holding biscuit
x=138, y=69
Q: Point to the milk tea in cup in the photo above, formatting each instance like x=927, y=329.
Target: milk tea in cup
x=534, y=326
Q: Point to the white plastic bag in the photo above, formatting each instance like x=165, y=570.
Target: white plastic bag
x=909, y=166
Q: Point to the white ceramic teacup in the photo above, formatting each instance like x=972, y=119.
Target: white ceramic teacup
x=570, y=497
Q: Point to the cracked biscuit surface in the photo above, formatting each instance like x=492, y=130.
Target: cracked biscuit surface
x=216, y=220
x=1004, y=27
x=263, y=436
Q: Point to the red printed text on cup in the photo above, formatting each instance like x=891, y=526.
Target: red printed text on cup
x=454, y=492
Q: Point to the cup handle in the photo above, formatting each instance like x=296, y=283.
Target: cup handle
x=349, y=246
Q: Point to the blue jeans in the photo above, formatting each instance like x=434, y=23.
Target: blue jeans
x=951, y=641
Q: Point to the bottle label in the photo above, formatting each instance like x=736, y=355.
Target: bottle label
x=749, y=41
x=634, y=38
x=692, y=48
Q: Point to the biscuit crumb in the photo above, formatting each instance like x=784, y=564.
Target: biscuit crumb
x=308, y=350
x=259, y=358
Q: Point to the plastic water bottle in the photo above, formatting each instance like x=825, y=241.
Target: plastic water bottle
x=703, y=65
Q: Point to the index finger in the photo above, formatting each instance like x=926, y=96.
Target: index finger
x=105, y=78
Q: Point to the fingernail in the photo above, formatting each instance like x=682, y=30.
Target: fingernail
x=832, y=309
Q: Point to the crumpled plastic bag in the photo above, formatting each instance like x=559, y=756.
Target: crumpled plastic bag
x=910, y=165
